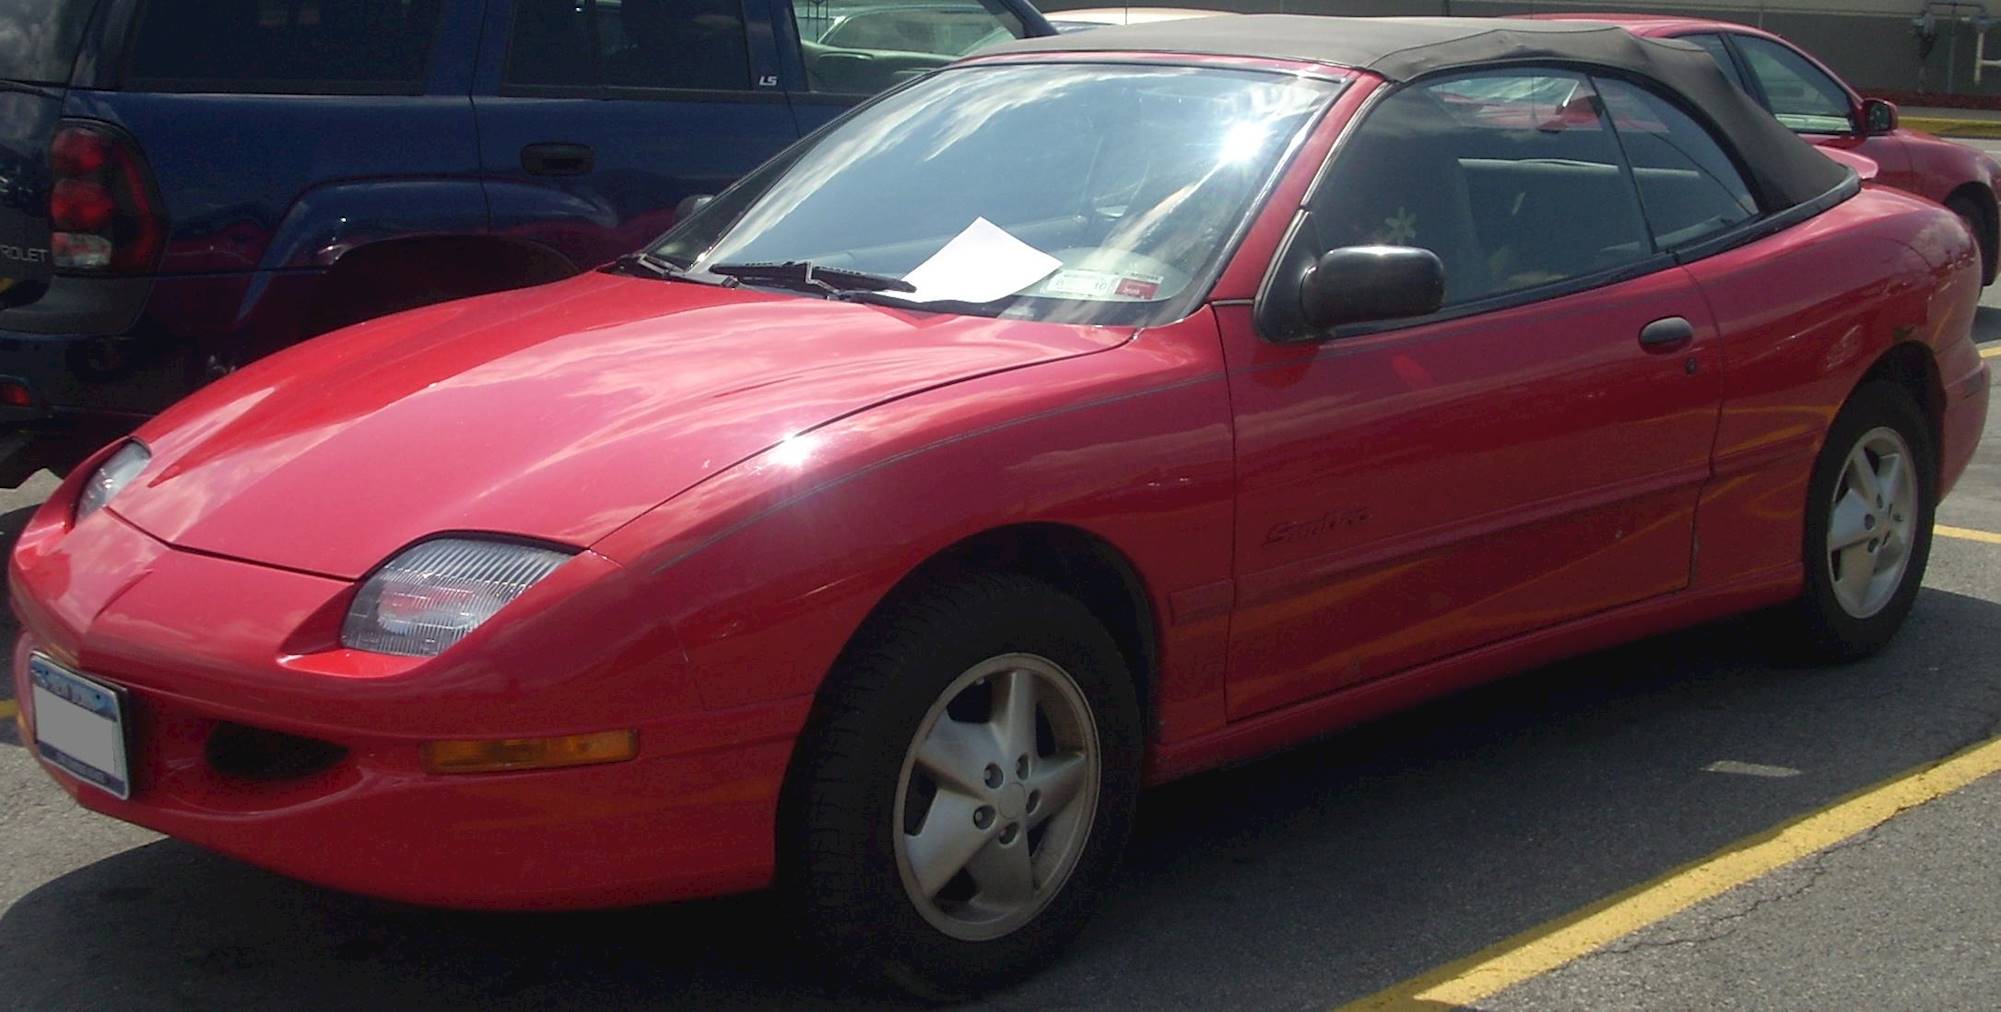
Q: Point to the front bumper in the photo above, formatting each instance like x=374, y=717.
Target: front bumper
x=1965, y=418
x=207, y=647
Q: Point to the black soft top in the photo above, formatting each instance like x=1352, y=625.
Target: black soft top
x=1785, y=170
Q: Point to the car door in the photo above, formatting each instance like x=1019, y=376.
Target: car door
x=839, y=52
x=1815, y=104
x=597, y=117
x=1529, y=455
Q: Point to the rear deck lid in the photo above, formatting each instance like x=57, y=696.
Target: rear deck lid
x=39, y=40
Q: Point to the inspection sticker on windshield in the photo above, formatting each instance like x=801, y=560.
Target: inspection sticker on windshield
x=1103, y=286
x=980, y=264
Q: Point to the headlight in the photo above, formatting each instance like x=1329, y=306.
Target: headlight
x=112, y=475
x=437, y=592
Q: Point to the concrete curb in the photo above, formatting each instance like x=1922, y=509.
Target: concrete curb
x=1945, y=126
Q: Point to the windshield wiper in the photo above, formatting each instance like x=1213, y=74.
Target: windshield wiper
x=800, y=274
x=646, y=265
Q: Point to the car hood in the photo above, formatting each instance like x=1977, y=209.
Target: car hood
x=559, y=412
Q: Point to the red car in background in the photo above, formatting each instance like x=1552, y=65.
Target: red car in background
x=1094, y=411
x=1818, y=105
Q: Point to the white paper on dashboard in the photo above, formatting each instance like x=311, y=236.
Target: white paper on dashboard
x=981, y=264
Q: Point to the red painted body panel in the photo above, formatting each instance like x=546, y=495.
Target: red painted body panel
x=1374, y=482
x=200, y=640
x=750, y=475
x=1808, y=312
x=440, y=408
x=1132, y=446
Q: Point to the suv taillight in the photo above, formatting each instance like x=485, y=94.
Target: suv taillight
x=104, y=217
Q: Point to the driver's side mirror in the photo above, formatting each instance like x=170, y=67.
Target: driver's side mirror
x=690, y=204
x=1362, y=284
x=1878, y=117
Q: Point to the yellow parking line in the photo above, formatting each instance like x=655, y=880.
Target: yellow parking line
x=8, y=708
x=1965, y=534
x=1549, y=946
x=1993, y=351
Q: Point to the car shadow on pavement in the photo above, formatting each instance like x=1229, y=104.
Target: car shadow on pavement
x=1300, y=880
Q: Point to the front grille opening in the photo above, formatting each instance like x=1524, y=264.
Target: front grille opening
x=253, y=753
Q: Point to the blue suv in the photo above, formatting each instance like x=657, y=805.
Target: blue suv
x=186, y=185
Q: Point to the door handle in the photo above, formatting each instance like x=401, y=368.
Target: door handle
x=557, y=159
x=1666, y=334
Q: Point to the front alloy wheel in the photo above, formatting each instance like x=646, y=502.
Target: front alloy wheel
x=997, y=796
x=962, y=794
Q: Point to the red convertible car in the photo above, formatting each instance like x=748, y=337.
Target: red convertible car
x=1818, y=105
x=1098, y=410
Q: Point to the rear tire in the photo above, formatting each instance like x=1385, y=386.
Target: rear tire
x=913, y=857
x=1868, y=526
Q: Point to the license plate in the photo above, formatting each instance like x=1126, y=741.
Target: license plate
x=80, y=725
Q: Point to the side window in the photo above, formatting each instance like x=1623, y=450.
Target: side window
x=653, y=44
x=551, y=44
x=1800, y=94
x=1688, y=185
x=285, y=46
x=1713, y=45
x=862, y=48
x=1511, y=177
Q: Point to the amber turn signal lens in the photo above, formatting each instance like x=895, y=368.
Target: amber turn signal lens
x=502, y=754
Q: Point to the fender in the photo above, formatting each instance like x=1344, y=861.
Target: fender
x=327, y=222
x=1905, y=271
x=1939, y=166
x=798, y=545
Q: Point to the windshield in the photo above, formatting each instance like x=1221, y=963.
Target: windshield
x=39, y=38
x=1085, y=193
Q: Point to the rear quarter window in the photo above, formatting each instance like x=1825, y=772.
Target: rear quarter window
x=362, y=47
x=39, y=38
x=1689, y=185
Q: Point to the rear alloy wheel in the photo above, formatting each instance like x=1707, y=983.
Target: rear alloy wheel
x=966, y=786
x=1869, y=525
x=1871, y=519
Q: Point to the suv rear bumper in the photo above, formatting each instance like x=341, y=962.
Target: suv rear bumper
x=79, y=395
x=98, y=355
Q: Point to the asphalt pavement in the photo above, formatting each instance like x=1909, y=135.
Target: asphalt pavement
x=1308, y=880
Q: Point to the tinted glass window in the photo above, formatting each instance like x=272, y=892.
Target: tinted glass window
x=1512, y=178
x=39, y=38
x=285, y=45
x=1800, y=94
x=1688, y=185
x=1713, y=45
x=689, y=44
x=862, y=47
x=551, y=44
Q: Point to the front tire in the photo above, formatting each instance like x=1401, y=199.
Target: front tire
x=966, y=790
x=1868, y=525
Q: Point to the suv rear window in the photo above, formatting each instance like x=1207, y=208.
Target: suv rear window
x=284, y=46
x=39, y=38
